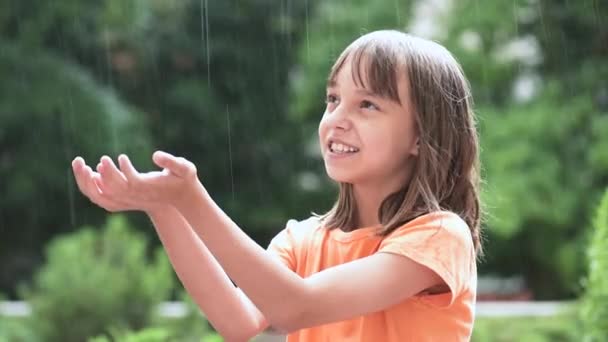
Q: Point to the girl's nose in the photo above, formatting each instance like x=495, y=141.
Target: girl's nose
x=339, y=118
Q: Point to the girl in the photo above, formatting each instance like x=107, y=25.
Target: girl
x=393, y=260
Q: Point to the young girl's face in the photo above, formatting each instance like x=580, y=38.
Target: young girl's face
x=366, y=138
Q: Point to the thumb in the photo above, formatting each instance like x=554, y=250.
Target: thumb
x=178, y=166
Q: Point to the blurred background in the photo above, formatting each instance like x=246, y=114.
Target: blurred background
x=238, y=88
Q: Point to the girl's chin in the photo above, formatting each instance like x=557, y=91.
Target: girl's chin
x=341, y=176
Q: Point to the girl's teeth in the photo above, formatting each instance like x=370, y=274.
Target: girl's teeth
x=340, y=148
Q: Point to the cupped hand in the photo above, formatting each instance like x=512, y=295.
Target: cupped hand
x=124, y=188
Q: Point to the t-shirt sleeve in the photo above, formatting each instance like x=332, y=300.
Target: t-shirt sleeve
x=441, y=242
x=283, y=246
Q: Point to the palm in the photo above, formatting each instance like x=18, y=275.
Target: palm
x=127, y=189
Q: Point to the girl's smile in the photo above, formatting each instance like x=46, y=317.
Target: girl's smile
x=338, y=149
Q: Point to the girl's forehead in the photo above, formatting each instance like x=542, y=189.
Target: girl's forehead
x=350, y=73
x=386, y=83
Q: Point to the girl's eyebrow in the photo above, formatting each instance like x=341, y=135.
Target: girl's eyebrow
x=362, y=91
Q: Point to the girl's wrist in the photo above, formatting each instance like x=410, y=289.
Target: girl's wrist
x=194, y=193
x=158, y=210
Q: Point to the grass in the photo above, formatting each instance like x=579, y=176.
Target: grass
x=561, y=328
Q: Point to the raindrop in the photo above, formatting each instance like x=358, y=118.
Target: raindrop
x=307, y=37
x=205, y=35
x=230, y=151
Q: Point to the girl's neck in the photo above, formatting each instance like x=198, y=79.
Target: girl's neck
x=368, y=202
x=369, y=198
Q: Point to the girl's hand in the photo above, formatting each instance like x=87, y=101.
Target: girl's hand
x=89, y=183
x=127, y=189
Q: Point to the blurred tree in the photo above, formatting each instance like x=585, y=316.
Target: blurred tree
x=238, y=88
x=94, y=281
x=51, y=111
x=209, y=77
x=539, y=71
x=594, y=311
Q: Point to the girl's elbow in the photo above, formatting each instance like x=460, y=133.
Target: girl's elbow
x=239, y=334
x=288, y=322
x=240, y=331
x=237, y=338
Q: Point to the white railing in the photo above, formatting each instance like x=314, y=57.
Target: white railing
x=483, y=309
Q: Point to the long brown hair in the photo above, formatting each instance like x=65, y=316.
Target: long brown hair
x=446, y=173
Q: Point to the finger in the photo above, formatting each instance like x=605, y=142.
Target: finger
x=89, y=184
x=178, y=166
x=99, y=182
x=127, y=168
x=94, y=185
x=103, y=201
x=78, y=163
x=163, y=159
x=113, y=180
x=80, y=174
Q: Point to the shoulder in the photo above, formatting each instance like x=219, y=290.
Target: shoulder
x=292, y=239
x=446, y=220
x=438, y=225
x=296, y=231
x=300, y=229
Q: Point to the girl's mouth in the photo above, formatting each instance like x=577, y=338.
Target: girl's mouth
x=340, y=148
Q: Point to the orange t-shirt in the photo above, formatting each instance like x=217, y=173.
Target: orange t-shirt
x=440, y=241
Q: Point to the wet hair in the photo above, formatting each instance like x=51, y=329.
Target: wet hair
x=446, y=175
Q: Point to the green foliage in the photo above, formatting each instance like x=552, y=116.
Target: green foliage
x=146, y=335
x=52, y=111
x=561, y=328
x=594, y=311
x=152, y=334
x=189, y=327
x=192, y=327
x=208, y=79
x=238, y=87
x=16, y=330
x=543, y=165
x=97, y=279
x=543, y=155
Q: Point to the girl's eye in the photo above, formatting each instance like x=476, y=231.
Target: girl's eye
x=331, y=99
x=369, y=105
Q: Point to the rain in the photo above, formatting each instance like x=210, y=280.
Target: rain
x=239, y=89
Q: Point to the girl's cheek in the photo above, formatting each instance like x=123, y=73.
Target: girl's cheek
x=323, y=125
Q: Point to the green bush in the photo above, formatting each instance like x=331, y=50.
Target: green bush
x=151, y=334
x=191, y=327
x=16, y=330
x=594, y=312
x=560, y=328
x=146, y=335
x=95, y=279
x=52, y=110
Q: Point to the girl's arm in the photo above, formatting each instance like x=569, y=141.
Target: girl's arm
x=289, y=302
x=230, y=312
x=227, y=308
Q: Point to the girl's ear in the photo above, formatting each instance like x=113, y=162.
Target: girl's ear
x=415, y=148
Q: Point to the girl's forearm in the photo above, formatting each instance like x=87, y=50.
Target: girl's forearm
x=279, y=293
x=231, y=313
